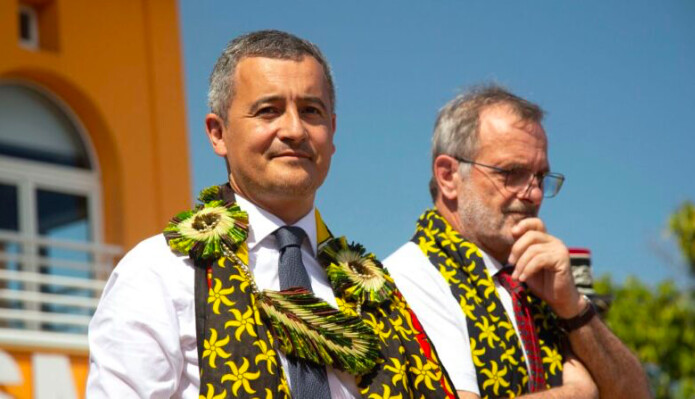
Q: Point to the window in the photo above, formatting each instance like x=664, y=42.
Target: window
x=28, y=27
x=38, y=25
x=34, y=127
x=53, y=263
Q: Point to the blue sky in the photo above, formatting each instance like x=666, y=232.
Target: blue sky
x=616, y=78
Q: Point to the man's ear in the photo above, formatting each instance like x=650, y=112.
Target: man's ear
x=333, y=125
x=214, y=127
x=446, y=174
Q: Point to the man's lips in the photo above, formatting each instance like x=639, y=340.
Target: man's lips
x=291, y=154
x=523, y=214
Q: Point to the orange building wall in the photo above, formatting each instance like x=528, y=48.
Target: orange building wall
x=79, y=368
x=118, y=66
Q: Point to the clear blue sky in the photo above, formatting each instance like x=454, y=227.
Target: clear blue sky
x=616, y=78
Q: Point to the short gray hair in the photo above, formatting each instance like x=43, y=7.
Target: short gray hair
x=265, y=43
x=458, y=123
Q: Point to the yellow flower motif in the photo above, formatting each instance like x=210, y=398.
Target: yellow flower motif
x=427, y=246
x=470, y=269
x=211, y=393
x=405, y=332
x=476, y=353
x=346, y=307
x=427, y=372
x=240, y=376
x=431, y=229
x=523, y=371
x=472, y=249
x=505, y=325
x=386, y=395
x=495, y=377
x=268, y=394
x=449, y=276
x=487, y=331
x=240, y=275
x=489, y=286
x=471, y=293
x=490, y=311
x=553, y=358
x=508, y=355
x=378, y=327
x=218, y=295
x=449, y=238
x=284, y=387
x=245, y=322
x=213, y=347
x=467, y=309
x=267, y=355
x=399, y=371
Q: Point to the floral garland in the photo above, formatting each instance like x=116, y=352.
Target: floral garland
x=304, y=325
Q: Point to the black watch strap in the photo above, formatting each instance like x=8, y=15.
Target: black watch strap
x=585, y=316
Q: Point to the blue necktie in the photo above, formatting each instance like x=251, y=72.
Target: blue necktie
x=307, y=380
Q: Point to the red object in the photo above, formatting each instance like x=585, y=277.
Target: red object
x=425, y=346
x=526, y=327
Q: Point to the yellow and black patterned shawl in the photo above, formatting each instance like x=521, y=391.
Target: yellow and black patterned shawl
x=496, y=349
x=237, y=350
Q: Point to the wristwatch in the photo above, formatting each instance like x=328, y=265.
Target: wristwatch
x=585, y=316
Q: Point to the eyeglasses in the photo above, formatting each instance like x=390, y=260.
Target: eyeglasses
x=519, y=179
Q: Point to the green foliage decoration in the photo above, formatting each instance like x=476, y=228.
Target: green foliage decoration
x=658, y=324
x=311, y=329
x=681, y=224
x=358, y=275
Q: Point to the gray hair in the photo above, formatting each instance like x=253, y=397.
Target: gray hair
x=264, y=43
x=458, y=123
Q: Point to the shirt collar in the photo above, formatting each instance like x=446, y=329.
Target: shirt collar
x=493, y=266
x=263, y=223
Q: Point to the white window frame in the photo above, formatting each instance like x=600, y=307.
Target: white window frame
x=30, y=176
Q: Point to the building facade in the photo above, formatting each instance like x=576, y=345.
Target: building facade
x=93, y=158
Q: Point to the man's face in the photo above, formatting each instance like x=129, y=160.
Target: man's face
x=488, y=210
x=279, y=134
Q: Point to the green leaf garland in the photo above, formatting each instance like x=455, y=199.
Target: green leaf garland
x=309, y=328
x=206, y=231
x=306, y=327
x=359, y=276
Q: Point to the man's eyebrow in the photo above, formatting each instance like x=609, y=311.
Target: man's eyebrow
x=266, y=99
x=314, y=100
x=513, y=165
x=518, y=165
x=273, y=98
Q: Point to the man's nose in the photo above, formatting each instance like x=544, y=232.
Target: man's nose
x=292, y=126
x=533, y=191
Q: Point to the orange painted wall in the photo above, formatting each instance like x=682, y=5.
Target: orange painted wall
x=118, y=66
x=79, y=367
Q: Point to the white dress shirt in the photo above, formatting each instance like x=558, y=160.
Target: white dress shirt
x=142, y=337
x=430, y=297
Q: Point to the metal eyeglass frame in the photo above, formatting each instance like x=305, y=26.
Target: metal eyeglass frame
x=541, y=177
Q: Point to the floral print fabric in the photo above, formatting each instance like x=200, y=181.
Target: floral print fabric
x=497, y=352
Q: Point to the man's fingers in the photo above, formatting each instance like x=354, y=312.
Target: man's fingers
x=528, y=224
x=525, y=241
x=535, y=265
x=534, y=252
x=528, y=254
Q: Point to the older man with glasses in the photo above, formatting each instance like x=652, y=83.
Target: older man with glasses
x=492, y=288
